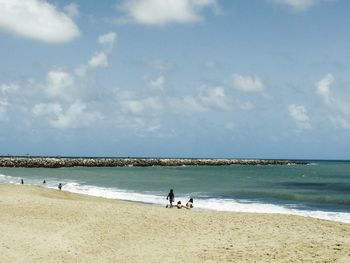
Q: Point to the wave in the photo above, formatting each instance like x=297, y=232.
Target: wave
x=6, y=179
x=204, y=203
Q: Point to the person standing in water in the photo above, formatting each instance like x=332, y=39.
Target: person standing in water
x=171, y=198
x=59, y=186
x=22, y=182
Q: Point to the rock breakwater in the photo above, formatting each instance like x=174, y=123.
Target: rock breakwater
x=52, y=162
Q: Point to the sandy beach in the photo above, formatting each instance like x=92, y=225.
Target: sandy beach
x=46, y=225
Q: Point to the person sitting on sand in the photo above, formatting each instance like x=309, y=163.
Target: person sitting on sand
x=171, y=198
x=189, y=204
x=179, y=205
x=59, y=186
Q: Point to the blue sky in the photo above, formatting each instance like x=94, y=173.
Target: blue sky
x=175, y=78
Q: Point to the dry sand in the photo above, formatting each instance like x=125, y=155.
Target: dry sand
x=45, y=225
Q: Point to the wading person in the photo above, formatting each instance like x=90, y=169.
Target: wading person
x=171, y=198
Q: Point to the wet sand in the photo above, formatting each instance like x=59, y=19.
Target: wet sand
x=46, y=225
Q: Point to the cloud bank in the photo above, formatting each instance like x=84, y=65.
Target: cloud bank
x=62, y=106
x=75, y=116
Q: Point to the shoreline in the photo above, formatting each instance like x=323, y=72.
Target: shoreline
x=59, y=162
x=328, y=215
x=46, y=225
x=305, y=213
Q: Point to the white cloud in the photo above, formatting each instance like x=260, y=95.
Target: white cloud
x=299, y=5
x=248, y=83
x=61, y=100
x=230, y=126
x=153, y=128
x=339, y=111
x=210, y=65
x=99, y=59
x=150, y=105
x=188, y=105
x=142, y=126
x=11, y=96
x=64, y=110
x=158, y=83
x=323, y=89
x=36, y=19
x=81, y=70
x=296, y=4
x=206, y=100
x=108, y=39
x=75, y=116
x=340, y=122
x=215, y=98
x=47, y=109
x=161, y=12
x=123, y=94
x=132, y=106
x=159, y=65
x=247, y=105
x=299, y=114
x=59, y=83
x=8, y=88
x=3, y=109
x=72, y=10
x=209, y=99
x=142, y=115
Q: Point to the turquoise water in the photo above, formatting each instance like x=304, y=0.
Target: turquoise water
x=321, y=189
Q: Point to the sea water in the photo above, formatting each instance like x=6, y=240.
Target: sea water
x=320, y=189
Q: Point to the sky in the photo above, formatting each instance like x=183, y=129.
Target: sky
x=175, y=78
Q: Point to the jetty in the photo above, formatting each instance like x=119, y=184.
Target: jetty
x=58, y=162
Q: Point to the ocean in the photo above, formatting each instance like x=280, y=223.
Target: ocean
x=320, y=189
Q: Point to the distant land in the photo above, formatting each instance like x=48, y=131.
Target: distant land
x=58, y=162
